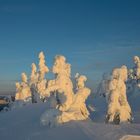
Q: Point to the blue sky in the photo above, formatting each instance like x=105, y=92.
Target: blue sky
x=94, y=35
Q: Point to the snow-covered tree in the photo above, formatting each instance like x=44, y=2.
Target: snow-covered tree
x=62, y=83
x=43, y=69
x=76, y=111
x=42, y=82
x=23, y=93
x=125, y=111
x=34, y=74
x=23, y=89
x=118, y=106
x=136, y=67
x=18, y=95
x=24, y=78
x=33, y=84
x=133, y=83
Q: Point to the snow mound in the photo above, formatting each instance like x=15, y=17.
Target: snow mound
x=130, y=137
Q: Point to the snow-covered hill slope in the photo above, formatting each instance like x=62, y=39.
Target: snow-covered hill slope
x=24, y=124
x=130, y=137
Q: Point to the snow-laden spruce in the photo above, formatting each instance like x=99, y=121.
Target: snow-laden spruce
x=37, y=82
x=62, y=82
x=23, y=89
x=63, y=104
x=43, y=70
x=118, y=106
x=66, y=103
x=69, y=106
x=133, y=83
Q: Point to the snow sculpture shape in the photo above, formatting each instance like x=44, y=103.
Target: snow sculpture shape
x=76, y=111
x=118, y=107
x=62, y=84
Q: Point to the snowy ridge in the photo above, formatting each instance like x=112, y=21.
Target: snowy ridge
x=130, y=137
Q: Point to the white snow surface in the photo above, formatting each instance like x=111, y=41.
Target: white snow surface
x=24, y=124
x=130, y=137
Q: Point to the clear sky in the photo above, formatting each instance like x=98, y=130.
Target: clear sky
x=94, y=35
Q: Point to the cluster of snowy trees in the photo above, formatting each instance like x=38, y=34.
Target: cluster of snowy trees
x=133, y=83
x=32, y=90
x=115, y=87
x=67, y=103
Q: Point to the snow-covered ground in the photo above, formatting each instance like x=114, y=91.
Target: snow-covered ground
x=24, y=124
